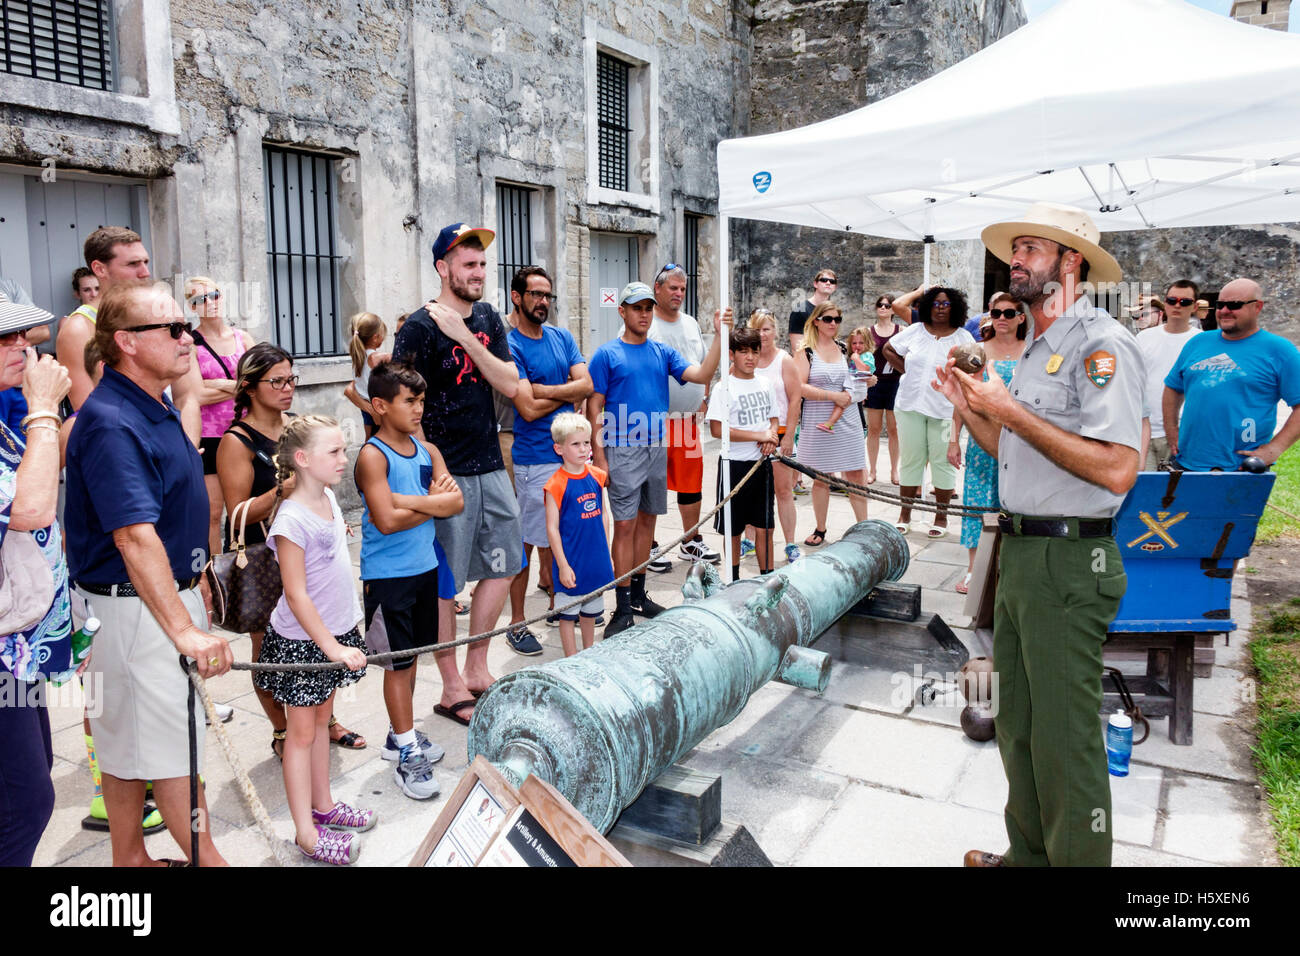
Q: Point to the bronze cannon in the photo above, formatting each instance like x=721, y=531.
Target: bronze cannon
x=603, y=724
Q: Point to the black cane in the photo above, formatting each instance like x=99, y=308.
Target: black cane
x=194, y=768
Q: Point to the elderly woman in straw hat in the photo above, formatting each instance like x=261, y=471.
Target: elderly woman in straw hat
x=1066, y=433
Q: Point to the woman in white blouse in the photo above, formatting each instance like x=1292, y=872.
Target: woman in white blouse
x=924, y=416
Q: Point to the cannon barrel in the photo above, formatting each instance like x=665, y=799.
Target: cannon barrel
x=601, y=725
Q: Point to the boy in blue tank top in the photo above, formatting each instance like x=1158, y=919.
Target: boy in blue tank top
x=405, y=485
x=575, y=527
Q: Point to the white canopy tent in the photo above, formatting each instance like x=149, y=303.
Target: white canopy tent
x=1146, y=113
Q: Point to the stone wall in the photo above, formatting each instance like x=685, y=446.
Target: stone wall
x=815, y=60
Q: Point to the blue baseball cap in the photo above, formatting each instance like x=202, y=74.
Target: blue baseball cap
x=455, y=234
x=635, y=292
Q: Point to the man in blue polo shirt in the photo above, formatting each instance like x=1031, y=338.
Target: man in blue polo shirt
x=629, y=376
x=1232, y=379
x=552, y=377
x=136, y=522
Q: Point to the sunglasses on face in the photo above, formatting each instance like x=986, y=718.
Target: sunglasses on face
x=9, y=339
x=1234, y=305
x=281, y=383
x=174, y=329
x=837, y=319
x=1003, y=313
x=1177, y=300
x=198, y=300
x=884, y=305
x=829, y=279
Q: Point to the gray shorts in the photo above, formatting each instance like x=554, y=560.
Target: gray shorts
x=638, y=481
x=485, y=540
x=593, y=608
x=530, y=480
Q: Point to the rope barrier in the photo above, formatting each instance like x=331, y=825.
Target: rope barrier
x=475, y=638
x=865, y=491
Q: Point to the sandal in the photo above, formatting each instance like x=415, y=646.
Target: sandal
x=277, y=737
x=461, y=609
x=937, y=531
x=816, y=539
x=963, y=586
x=348, y=739
x=902, y=527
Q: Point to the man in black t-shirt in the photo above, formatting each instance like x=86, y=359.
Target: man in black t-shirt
x=824, y=284
x=459, y=345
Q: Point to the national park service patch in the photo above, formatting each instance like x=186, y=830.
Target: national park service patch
x=1100, y=367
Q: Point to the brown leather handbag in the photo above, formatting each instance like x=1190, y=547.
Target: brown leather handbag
x=245, y=581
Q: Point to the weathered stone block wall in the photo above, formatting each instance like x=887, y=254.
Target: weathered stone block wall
x=815, y=60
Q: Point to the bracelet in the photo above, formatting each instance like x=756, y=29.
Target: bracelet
x=34, y=416
x=45, y=425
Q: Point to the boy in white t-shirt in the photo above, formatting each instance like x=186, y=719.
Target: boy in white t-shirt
x=1160, y=347
x=751, y=410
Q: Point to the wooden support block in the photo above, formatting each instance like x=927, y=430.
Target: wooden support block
x=895, y=602
x=680, y=804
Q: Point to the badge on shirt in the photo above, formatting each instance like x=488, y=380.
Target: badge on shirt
x=1054, y=363
x=1100, y=367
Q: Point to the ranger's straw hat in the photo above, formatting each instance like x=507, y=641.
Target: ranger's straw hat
x=1064, y=224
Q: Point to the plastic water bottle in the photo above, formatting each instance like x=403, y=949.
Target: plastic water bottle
x=1119, y=743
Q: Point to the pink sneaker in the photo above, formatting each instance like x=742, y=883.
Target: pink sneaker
x=331, y=847
x=343, y=817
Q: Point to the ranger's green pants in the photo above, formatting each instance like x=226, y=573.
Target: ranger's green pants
x=1056, y=598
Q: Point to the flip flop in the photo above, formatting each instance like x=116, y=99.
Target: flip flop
x=936, y=531
x=963, y=586
x=902, y=527
x=454, y=711
x=816, y=539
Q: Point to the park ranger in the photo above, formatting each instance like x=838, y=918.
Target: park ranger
x=1066, y=433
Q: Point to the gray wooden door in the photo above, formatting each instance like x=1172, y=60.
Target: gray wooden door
x=613, y=265
x=44, y=224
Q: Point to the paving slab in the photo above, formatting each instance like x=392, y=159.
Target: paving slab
x=945, y=551
x=907, y=755
x=873, y=827
x=1128, y=855
x=1215, y=821
x=771, y=723
x=1221, y=747
x=1135, y=804
x=1224, y=692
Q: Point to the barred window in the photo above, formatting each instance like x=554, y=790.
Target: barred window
x=67, y=41
x=301, y=244
x=691, y=263
x=612, y=116
x=514, y=243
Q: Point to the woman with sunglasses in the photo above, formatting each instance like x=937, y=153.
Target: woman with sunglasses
x=217, y=348
x=264, y=388
x=923, y=414
x=824, y=375
x=1004, y=342
x=880, y=397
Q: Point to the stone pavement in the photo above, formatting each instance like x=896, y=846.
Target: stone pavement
x=858, y=776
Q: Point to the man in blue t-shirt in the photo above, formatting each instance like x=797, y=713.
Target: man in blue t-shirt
x=1232, y=379
x=552, y=378
x=627, y=411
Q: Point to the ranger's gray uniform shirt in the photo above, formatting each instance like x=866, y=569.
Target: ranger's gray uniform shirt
x=1095, y=391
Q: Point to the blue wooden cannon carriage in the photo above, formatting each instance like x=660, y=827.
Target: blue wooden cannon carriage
x=1180, y=535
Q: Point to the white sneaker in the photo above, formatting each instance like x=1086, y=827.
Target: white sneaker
x=224, y=713
x=699, y=551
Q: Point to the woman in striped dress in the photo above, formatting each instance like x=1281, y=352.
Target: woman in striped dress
x=824, y=373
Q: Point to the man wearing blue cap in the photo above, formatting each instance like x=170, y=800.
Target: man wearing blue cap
x=458, y=344
x=630, y=378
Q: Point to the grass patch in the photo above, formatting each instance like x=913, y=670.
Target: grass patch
x=1276, y=653
x=1286, y=495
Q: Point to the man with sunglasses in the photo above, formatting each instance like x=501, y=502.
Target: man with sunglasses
x=116, y=254
x=552, y=379
x=686, y=402
x=824, y=285
x=1231, y=380
x=136, y=520
x=1160, y=345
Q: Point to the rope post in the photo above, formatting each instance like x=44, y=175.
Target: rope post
x=724, y=468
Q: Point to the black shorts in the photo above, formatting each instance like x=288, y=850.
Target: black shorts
x=401, y=614
x=752, y=504
x=882, y=394
x=208, y=449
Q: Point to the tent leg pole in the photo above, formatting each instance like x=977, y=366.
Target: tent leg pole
x=724, y=300
x=925, y=274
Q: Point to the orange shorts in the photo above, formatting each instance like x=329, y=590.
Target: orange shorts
x=685, y=456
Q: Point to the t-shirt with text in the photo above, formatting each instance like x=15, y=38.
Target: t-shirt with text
x=751, y=405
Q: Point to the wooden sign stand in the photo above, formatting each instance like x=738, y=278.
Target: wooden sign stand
x=484, y=809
